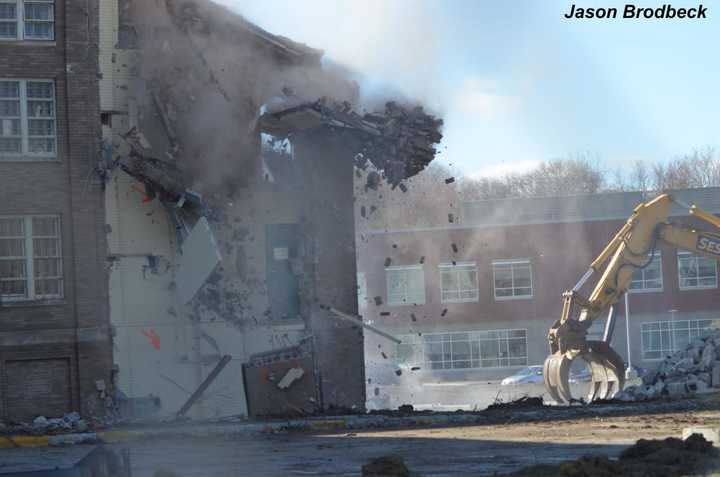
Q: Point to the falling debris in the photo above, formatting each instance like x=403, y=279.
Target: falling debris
x=378, y=300
x=384, y=313
x=451, y=218
x=449, y=180
x=403, y=187
x=454, y=248
x=398, y=372
x=413, y=317
x=382, y=353
x=290, y=377
x=388, y=261
x=444, y=312
x=422, y=259
x=399, y=140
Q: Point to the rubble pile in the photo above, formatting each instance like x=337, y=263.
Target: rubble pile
x=693, y=370
x=69, y=423
x=670, y=457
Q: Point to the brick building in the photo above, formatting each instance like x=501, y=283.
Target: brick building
x=476, y=299
x=55, y=345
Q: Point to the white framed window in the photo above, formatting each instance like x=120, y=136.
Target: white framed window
x=512, y=279
x=30, y=258
x=695, y=272
x=650, y=278
x=662, y=338
x=405, y=285
x=459, y=282
x=27, y=20
x=465, y=350
x=27, y=119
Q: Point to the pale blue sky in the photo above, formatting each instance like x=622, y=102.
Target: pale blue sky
x=516, y=82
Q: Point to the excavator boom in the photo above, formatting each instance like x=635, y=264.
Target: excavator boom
x=632, y=247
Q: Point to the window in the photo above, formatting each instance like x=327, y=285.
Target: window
x=405, y=285
x=696, y=272
x=30, y=258
x=27, y=20
x=648, y=278
x=512, y=278
x=27, y=119
x=465, y=350
x=662, y=338
x=458, y=283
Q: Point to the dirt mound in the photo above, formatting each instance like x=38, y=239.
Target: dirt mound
x=647, y=458
x=386, y=466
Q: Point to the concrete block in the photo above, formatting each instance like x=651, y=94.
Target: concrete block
x=711, y=434
x=676, y=389
x=715, y=379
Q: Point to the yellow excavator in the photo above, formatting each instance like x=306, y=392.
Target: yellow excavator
x=631, y=248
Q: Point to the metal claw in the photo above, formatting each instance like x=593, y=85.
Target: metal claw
x=606, y=369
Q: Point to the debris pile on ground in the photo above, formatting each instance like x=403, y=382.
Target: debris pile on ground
x=658, y=458
x=386, y=466
x=693, y=370
x=525, y=402
x=69, y=423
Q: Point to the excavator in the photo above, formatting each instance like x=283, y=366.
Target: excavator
x=633, y=247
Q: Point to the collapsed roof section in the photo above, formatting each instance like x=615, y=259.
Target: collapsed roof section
x=398, y=140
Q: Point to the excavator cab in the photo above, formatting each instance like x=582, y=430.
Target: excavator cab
x=628, y=250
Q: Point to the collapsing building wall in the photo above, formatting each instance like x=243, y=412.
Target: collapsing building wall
x=188, y=144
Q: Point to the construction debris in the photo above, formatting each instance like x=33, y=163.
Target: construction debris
x=386, y=466
x=400, y=141
x=357, y=320
x=696, y=369
x=658, y=458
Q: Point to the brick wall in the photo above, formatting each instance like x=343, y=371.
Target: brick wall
x=75, y=328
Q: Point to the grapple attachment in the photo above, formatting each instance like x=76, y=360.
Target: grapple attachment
x=606, y=367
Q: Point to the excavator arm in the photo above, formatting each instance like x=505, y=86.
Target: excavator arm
x=632, y=247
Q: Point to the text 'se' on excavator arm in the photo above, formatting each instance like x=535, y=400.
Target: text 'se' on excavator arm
x=632, y=247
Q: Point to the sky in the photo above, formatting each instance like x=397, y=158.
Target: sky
x=516, y=82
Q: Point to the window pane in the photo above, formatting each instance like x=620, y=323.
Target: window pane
x=9, y=89
x=8, y=30
x=46, y=247
x=12, y=227
x=503, y=278
x=8, y=11
x=41, y=109
x=47, y=287
x=12, y=269
x=9, y=108
x=41, y=127
x=39, y=90
x=47, y=268
x=45, y=226
x=41, y=145
x=12, y=247
x=13, y=288
x=39, y=31
x=38, y=11
x=10, y=145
